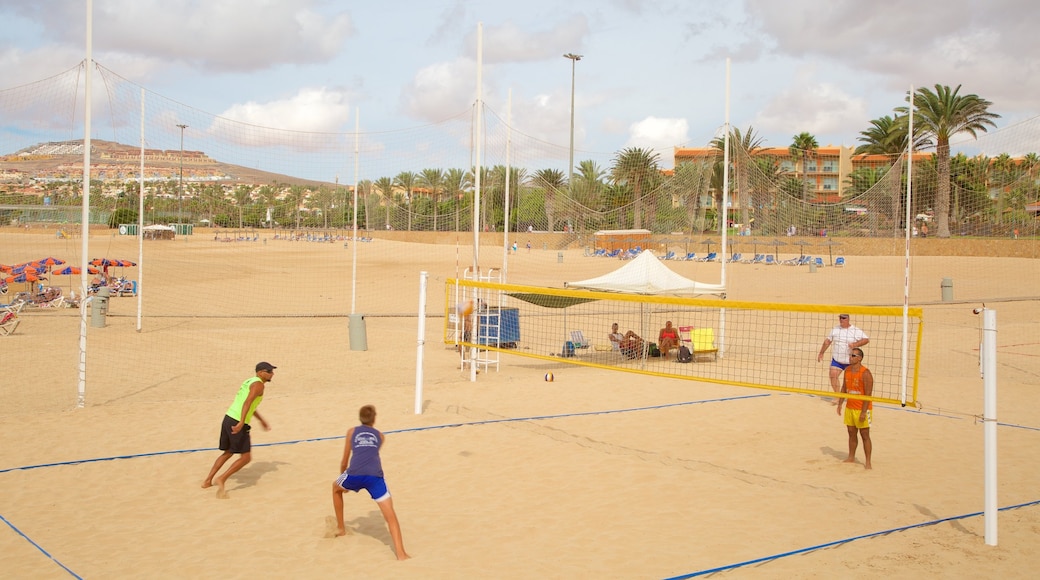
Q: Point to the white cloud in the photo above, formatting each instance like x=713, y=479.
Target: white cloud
x=660, y=135
x=821, y=109
x=510, y=43
x=441, y=90
x=220, y=35
x=311, y=110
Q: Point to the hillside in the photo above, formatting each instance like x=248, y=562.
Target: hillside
x=65, y=159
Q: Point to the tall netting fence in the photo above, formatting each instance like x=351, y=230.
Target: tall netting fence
x=226, y=202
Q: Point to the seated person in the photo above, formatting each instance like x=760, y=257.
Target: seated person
x=629, y=343
x=668, y=338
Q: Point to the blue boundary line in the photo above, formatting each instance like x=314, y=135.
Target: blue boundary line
x=40, y=548
x=519, y=419
x=839, y=542
x=411, y=429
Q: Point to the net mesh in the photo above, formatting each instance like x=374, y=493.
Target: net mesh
x=760, y=345
x=246, y=193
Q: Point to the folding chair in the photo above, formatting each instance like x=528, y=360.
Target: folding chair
x=9, y=324
x=578, y=339
x=703, y=340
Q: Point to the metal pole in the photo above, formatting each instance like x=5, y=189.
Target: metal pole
x=989, y=425
x=180, y=185
x=570, y=167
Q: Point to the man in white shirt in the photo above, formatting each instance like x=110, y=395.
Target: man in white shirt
x=844, y=337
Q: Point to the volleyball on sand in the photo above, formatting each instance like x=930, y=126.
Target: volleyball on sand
x=549, y=377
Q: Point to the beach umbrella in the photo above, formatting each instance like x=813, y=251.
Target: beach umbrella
x=31, y=267
x=71, y=271
x=101, y=262
x=801, y=247
x=24, y=277
x=830, y=248
x=776, y=243
x=709, y=242
x=49, y=261
x=5, y=268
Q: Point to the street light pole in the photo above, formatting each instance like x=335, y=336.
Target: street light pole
x=180, y=185
x=570, y=167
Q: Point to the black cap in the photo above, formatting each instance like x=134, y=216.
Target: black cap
x=264, y=366
x=843, y=316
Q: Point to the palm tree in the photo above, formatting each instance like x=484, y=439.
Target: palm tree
x=802, y=149
x=637, y=168
x=887, y=136
x=943, y=114
x=433, y=181
x=1003, y=172
x=243, y=196
x=364, y=194
x=587, y=190
x=551, y=181
x=407, y=180
x=456, y=183
x=690, y=182
x=385, y=185
x=745, y=146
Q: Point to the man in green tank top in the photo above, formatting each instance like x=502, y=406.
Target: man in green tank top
x=234, y=430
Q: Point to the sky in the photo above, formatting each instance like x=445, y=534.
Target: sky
x=652, y=74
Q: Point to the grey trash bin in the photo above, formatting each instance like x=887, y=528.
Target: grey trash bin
x=99, y=307
x=947, y=289
x=358, y=338
x=812, y=267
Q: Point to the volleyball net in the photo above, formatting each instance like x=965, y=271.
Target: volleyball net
x=761, y=345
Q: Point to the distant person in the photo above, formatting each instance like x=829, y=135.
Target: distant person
x=514, y=246
x=234, y=430
x=924, y=230
x=844, y=337
x=629, y=344
x=667, y=339
x=858, y=381
x=362, y=468
x=528, y=246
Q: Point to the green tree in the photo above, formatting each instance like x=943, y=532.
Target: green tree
x=433, y=181
x=407, y=181
x=887, y=136
x=942, y=114
x=385, y=186
x=637, y=169
x=803, y=148
x=551, y=181
x=743, y=146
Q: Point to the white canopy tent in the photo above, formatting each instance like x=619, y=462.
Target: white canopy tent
x=647, y=275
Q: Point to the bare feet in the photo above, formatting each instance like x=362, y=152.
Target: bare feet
x=850, y=460
x=867, y=466
x=403, y=556
x=221, y=492
x=206, y=484
x=332, y=530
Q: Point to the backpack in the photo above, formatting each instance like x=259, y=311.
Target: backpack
x=653, y=350
x=684, y=355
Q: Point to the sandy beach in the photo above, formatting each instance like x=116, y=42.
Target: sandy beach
x=598, y=474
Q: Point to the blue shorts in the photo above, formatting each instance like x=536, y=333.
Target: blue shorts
x=837, y=364
x=375, y=486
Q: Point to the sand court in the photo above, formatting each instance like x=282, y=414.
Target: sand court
x=597, y=474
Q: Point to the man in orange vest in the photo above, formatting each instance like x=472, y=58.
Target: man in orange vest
x=857, y=381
